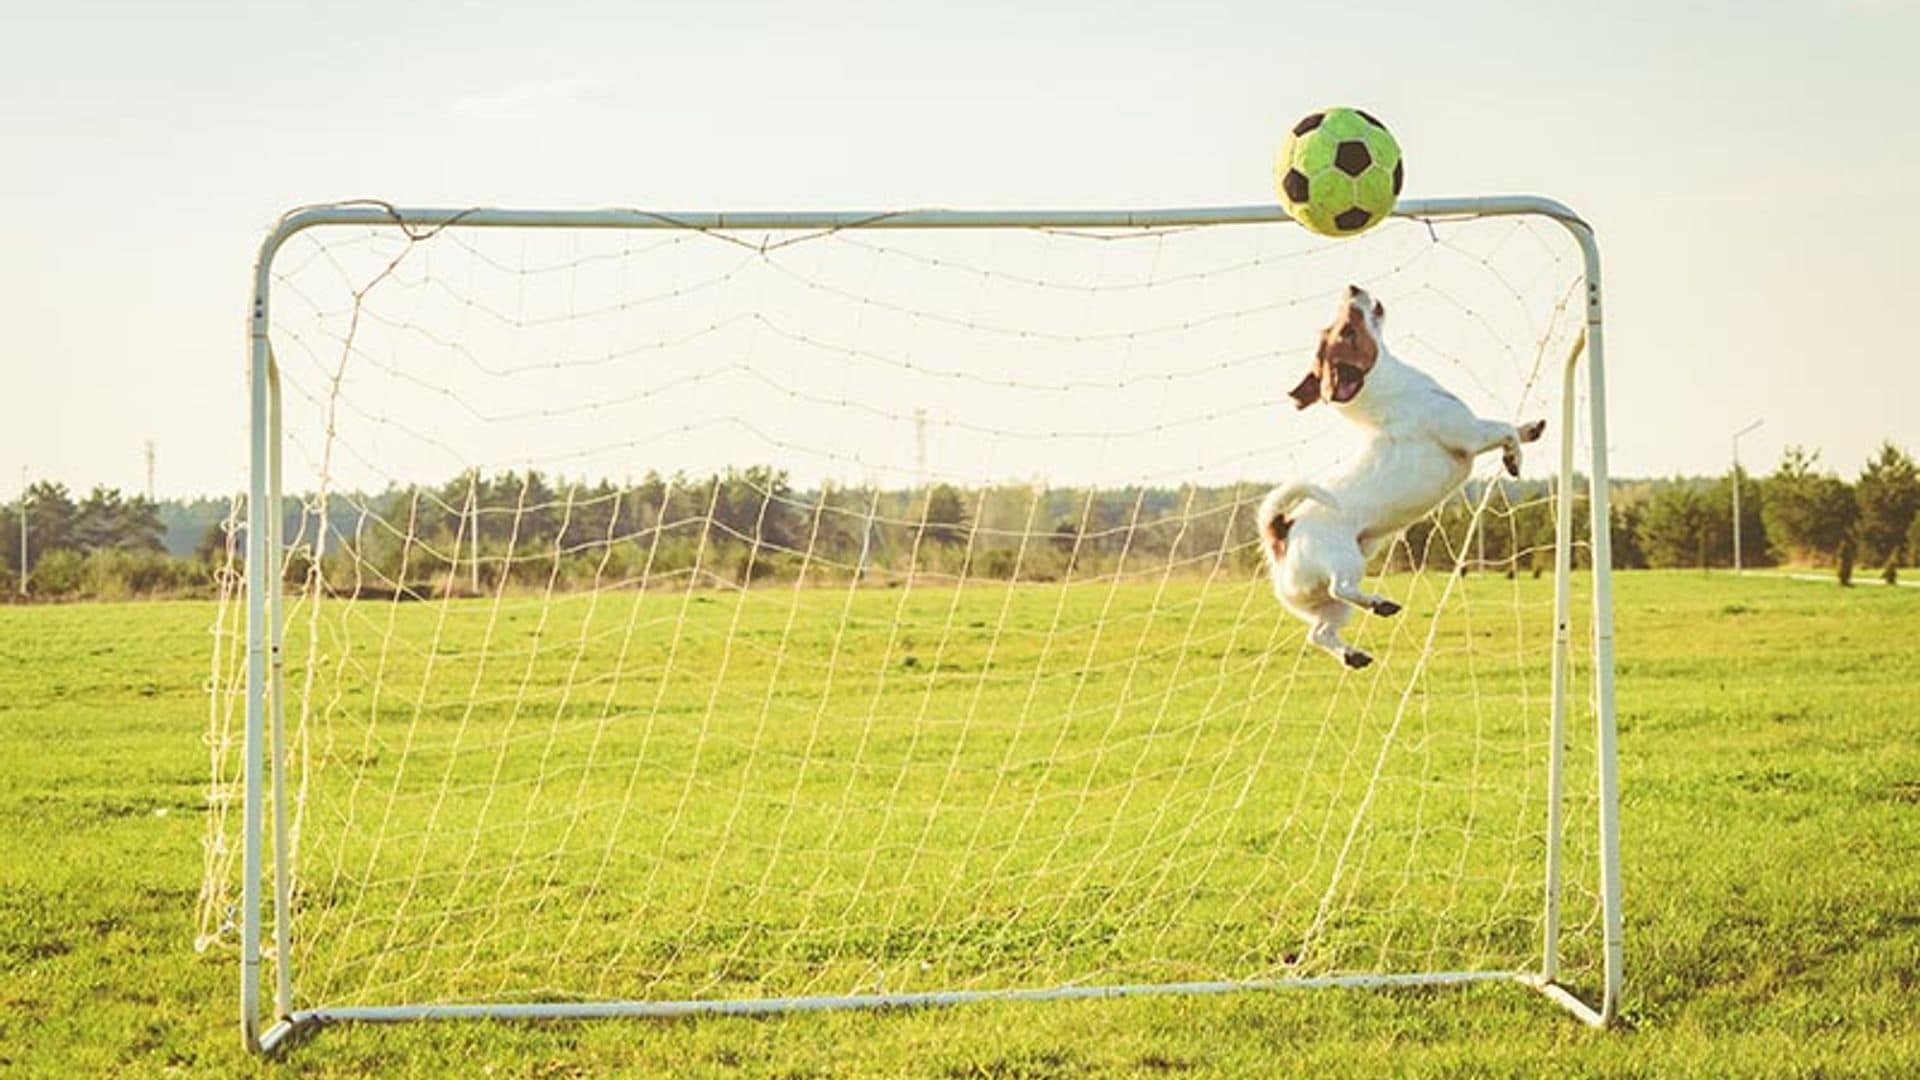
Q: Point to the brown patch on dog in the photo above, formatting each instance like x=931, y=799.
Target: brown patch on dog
x=1274, y=533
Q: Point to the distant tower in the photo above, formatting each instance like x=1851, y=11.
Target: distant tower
x=920, y=446
x=149, y=470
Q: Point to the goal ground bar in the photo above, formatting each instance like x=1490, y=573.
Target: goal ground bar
x=599, y=1010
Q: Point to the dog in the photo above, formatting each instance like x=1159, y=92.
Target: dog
x=1420, y=444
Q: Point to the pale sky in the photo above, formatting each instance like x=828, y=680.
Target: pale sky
x=1748, y=167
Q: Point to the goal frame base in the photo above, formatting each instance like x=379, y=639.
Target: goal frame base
x=289, y=1028
x=265, y=710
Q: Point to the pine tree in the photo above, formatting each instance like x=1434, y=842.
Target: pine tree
x=1887, y=494
x=1807, y=513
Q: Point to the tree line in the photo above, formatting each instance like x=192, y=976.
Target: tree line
x=477, y=533
x=1800, y=514
x=105, y=545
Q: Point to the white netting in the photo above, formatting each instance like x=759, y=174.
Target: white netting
x=677, y=614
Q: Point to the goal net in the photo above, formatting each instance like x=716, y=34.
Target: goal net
x=694, y=611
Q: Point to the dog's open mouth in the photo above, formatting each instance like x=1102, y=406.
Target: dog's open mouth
x=1346, y=382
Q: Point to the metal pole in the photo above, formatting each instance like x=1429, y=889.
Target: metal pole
x=473, y=542
x=259, y=583
x=21, y=585
x=1562, y=660
x=1736, y=492
x=277, y=713
x=377, y=214
x=600, y=1010
x=262, y=577
x=1480, y=551
x=1613, y=938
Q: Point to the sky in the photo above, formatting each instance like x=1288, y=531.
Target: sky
x=1747, y=168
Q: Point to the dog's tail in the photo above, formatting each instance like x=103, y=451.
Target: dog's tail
x=1276, y=512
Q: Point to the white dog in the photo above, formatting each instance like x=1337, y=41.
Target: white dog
x=1420, y=446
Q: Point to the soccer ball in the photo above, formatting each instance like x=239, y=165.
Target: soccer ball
x=1339, y=172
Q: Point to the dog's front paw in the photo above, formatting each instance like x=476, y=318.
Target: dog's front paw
x=1356, y=659
x=1531, y=432
x=1512, y=461
x=1385, y=607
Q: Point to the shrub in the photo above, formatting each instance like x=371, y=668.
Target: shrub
x=998, y=563
x=60, y=574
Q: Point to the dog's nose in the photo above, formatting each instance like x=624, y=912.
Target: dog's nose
x=1353, y=290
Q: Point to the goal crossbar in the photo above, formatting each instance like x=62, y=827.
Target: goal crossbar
x=265, y=1027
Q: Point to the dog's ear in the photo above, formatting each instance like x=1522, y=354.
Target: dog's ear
x=1379, y=310
x=1307, y=392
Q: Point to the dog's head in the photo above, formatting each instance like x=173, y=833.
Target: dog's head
x=1349, y=347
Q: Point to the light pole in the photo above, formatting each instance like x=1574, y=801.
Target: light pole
x=1736, y=492
x=20, y=586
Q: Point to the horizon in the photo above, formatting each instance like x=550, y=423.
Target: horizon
x=163, y=499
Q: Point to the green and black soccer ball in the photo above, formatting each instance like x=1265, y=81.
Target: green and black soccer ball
x=1339, y=172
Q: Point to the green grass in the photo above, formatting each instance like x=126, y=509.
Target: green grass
x=1771, y=780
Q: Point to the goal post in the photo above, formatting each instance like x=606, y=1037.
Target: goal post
x=1042, y=740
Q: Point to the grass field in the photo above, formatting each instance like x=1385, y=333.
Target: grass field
x=1771, y=779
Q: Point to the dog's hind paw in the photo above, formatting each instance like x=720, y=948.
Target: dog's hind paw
x=1512, y=461
x=1531, y=432
x=1385, y=607
x=1356, y=659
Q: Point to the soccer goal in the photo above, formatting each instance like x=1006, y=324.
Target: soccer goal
x=648, y=614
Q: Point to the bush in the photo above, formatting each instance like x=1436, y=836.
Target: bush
x=998, y=563
x=60, y=574
x=114, y=574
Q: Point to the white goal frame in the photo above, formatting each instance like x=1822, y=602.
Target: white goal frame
x=266, y=1024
